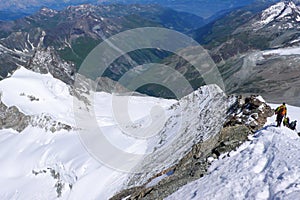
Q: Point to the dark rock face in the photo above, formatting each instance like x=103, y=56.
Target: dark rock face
x=11, y=117
x=229, y=49
x=230, y=138
x=17, y=48
x=247, y=115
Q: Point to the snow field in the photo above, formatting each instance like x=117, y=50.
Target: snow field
x=35, y=162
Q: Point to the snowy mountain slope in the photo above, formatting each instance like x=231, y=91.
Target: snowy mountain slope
x=247, y=115
x=266, y=167
x=284, y=11
x=41, y=164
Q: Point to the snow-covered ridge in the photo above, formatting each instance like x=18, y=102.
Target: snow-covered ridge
x=266, y=167
x=279, y=11
x=195, y=118
x=54, y=162
x=271, y=13
x=48, y=11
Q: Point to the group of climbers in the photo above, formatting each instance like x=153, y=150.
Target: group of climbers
x=281, y=112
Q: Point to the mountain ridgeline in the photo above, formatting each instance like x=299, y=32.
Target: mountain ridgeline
x=238, y=40
x=203, y=8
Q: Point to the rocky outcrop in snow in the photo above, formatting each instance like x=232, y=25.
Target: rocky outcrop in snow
x=11, y=117
x=265, y=167
x=48, y=124
x=250, y=111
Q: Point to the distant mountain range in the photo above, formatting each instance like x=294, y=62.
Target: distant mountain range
x=241, y=42
x=10, y=10
x=203, y=8
x=72, y=33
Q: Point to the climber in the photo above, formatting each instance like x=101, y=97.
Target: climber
x=281, y=112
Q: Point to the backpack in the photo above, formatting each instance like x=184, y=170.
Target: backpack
x=293, y=125
x=286, y=121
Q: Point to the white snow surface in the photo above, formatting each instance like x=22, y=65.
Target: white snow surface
x=53, y=95
x=266, y=167
x=28, y=159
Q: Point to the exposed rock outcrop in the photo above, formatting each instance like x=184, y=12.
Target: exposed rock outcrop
x=11, y=117
x=251, y=112
x=47, y=123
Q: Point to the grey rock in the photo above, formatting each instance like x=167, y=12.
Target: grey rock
x=11, y=117
x=60, y=184
x=48, y=124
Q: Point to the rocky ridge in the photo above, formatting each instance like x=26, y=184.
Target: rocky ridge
x=245, y=116
x=11, y=117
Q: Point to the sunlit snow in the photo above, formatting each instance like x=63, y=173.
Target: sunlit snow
x=266, y=167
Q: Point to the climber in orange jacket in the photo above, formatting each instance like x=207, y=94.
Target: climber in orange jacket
x=281, y=112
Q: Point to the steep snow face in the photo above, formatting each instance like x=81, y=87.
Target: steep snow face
x=266, y=167
x=284, y=11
